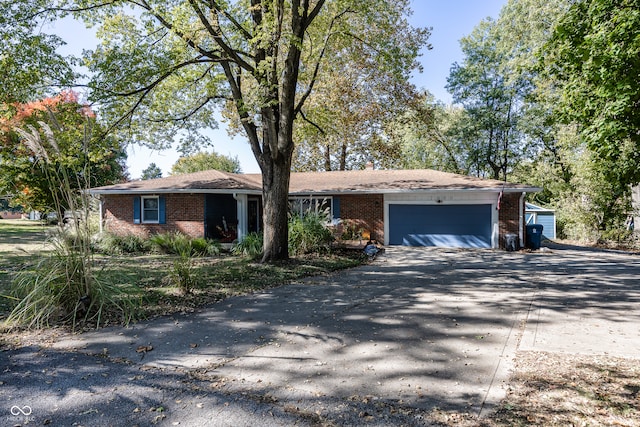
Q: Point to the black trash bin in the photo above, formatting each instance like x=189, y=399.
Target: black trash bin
x=534, y=236
x=511, y=242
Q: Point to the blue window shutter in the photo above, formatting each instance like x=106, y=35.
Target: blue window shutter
x=162, y=216
x=336, y=207
x=136, y=210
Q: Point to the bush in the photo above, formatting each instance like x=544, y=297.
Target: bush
x=205, y=247
x=308, y=234
x=351, y=231
x=250, y=246
x=178, y=243
x=112, y=244
x=182, y=274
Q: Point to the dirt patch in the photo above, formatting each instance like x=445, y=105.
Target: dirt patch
x=554, y=389
x=550, y=389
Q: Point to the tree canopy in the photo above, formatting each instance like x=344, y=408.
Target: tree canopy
x=205, y=161
x=31, y=67
x=79, y=147
x=347, y=117
x=595, y=56
x=152, y=171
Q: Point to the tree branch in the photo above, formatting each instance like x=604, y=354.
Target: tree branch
x=315, y=125
x=316, y=70
x=245, y=119
x=314, y=13
x=216, y=33
x=247, y=35
x=192, y=112
x=168, y=25
x=157, y=81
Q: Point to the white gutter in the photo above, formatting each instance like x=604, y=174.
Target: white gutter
x=101, y=216
x=172, y=191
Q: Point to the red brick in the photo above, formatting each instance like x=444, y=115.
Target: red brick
x=184, y=213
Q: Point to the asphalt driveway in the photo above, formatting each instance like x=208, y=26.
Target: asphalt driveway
x=384, y=344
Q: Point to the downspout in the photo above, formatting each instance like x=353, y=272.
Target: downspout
x=521, y=219
x=100, y=215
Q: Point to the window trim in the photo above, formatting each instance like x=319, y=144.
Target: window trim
x=142, y=210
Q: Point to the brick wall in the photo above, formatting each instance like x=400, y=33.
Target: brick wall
x=184, y=213
x=364, y=211
x=509, y=216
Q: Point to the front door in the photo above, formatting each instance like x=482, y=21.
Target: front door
x=221, y=217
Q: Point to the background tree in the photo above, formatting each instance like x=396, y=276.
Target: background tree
x=347, y=117
x=80, y=150
x=151, y=172
x=425, y=132
x=491, y=93
x=595, y=55
x=205, y=161
x=594, y=58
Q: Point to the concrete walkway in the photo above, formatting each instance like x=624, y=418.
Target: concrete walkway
x=419, y=329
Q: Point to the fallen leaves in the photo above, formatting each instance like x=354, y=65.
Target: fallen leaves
x=144, y=349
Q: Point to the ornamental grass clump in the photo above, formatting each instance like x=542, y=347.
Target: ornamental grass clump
x=62, y=285
x=309, y=233
x=112, y=244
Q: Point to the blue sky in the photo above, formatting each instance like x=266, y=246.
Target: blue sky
x=451, y=20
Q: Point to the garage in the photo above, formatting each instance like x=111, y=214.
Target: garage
x=458, y=226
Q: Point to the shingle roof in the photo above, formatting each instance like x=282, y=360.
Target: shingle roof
x=302, y=183
x=206, y=180
x=378, y=181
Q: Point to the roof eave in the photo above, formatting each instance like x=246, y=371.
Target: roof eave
x=173, y=190
x=414, y=190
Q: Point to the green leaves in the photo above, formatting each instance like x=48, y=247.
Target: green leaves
x=30, y=65
x=596, y=57
x=205, y=161
x=71, y=141
x=362, y=87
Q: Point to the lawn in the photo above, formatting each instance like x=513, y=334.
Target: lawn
x=216, y=278
x=20, y=241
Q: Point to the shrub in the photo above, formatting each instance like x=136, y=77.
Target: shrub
x=308, y=233
x=112, y=244
x=250, y=246
x=205, y=247
x=351, y=231
x=178, y=243
x=182, y=275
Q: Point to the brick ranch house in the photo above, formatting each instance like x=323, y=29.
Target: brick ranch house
x=396, y=207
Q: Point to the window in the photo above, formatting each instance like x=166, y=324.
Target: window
x=304, y=205
x=150, y=209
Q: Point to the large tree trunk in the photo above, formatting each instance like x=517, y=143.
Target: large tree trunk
x=275, y=192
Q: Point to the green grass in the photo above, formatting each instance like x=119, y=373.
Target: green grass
x=20, y=240
x=218, y=277
x=21, y=232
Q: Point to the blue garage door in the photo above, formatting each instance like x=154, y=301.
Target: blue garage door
x=455, y=226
